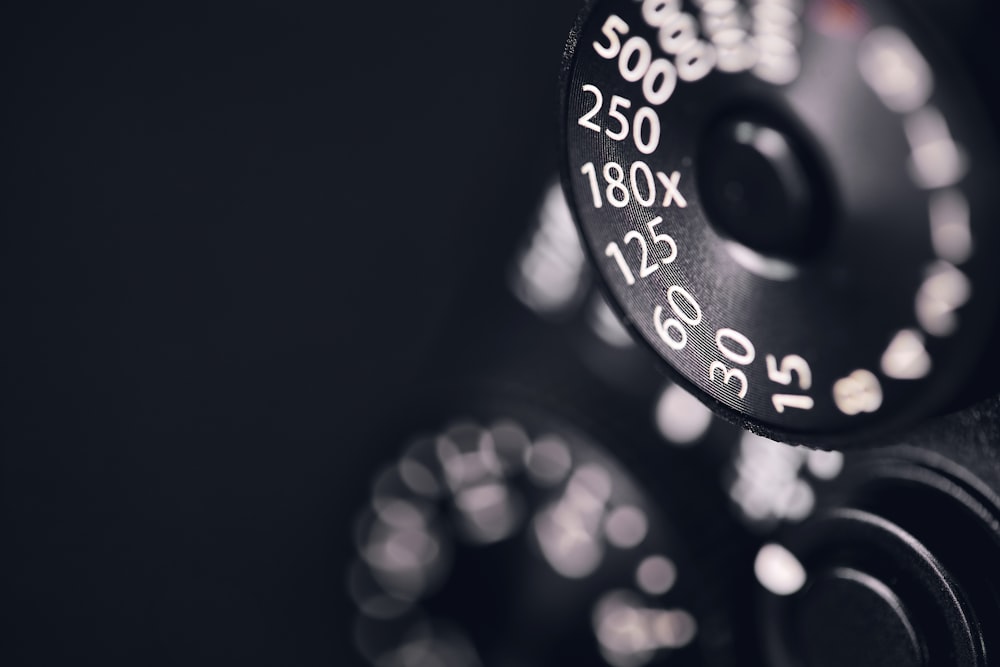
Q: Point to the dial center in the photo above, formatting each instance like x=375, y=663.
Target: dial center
x=762, y=188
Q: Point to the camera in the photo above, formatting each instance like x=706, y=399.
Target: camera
x=372, y=335
x=785, y=205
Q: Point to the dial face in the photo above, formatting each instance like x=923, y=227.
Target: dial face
x=789, y=202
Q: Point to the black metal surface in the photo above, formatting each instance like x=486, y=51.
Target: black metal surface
x=200, y=207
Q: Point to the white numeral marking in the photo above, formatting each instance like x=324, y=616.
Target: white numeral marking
x=585, y=119
x=728, y=375
x=894, y=69
x=936, y=160
x=792, y=363
x=647, y=268
x=614, y=251
x=944, y=291
x=612, y=26
x=725, y=336
x=675, y=291
x=857, y=393
x=646, y=118
x=638, y=47
x=951, y=231
x=595, y=190
x=664, y=327
x=647, y=176
x=662, y=238
x=906, y=357
x=797, y=401
x=673, y=194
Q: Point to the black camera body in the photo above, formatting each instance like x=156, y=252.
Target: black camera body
x=775, y=554
x=332, y=343
x=796, y=183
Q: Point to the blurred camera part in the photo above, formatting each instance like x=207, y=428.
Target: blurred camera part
x=517, y=542
x=898, y=566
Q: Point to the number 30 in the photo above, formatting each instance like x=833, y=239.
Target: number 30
x=728, y=375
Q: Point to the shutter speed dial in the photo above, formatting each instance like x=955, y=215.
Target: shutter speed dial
x=790, y=202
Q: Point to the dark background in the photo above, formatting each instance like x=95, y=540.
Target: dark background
x=229, y=239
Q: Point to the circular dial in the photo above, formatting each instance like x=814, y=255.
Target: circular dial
x=790, y=202
x=920, y=591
